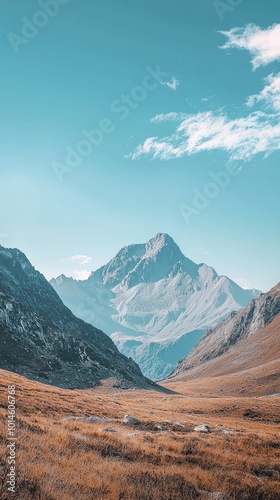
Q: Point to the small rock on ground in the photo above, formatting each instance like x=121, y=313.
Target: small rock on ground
x=130, y=420
x=107, y=429
x=226, y=431
x=160, y=428
x=202, y=428
x=92, y=419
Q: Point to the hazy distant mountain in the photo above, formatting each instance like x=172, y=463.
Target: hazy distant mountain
x=153, y=301
x=41, y=338
x=240, y=355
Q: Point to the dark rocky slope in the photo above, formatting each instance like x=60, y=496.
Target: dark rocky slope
x=41, y=338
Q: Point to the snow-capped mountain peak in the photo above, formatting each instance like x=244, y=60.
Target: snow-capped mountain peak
x=60, y=279
x=146, y=263
x=161, y=241
x=154, y=302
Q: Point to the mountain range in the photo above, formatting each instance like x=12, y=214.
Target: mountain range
x=241, y=356
x=154, y=302
x=42, y=339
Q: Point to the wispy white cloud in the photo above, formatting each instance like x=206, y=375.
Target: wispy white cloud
x=84, y=259
x=81, y=275
x=173, y=84
x=242, y=138
x=263, y=45
x=244, y=283
x=207, y=99
x=257, y=131
x=270, y=94
x=164, y=117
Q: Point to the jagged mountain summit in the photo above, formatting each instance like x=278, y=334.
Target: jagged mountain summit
x=241, y=355
x=154, y=302
x=42, y=339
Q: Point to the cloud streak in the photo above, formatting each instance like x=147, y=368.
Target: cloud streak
x=263, y=45
x=241, y=137
x=173, y=85
x=81, y=275
x=270, y=94
x=84, y=259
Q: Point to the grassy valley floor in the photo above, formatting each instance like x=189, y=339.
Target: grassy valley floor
x=59, y=459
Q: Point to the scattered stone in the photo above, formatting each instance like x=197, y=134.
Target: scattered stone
x=202, y=428
x=89, y=420
x=276, y=395
x=130, y=420
x=97, y=419
x=226, y=431
x=174, y=423
x=70, y=419
x=107, y=429
x=160, y=428
x=132, y=434
x=179, y=424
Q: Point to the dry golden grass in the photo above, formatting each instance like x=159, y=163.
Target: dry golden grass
x=250, y=367
x=65, y=460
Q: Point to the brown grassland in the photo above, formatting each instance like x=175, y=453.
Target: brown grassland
x=64, y=460
x=251, y=366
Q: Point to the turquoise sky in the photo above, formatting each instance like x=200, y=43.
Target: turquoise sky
x=71, y=75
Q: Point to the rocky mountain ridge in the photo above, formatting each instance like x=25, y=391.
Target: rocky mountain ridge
x=240, y=357
x=42, y=339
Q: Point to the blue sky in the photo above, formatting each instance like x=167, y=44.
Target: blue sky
x=91, y=66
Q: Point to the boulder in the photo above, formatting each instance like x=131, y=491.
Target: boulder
x=160, y=428
x=202, y=428
x=130, y=420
